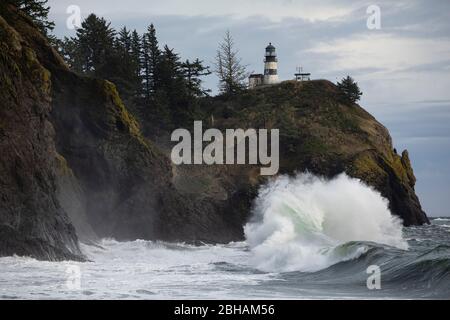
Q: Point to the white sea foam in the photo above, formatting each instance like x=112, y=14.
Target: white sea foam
x=300, y=221
x=136, y=270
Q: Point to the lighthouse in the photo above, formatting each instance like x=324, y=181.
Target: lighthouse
x=270, y=75
x=271, y=65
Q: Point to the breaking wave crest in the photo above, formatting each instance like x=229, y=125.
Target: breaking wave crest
x=301, y=223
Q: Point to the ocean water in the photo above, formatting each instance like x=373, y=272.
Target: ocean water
x=308, y=239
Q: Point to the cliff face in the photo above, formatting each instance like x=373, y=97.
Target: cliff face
x=111, y=181
x=108, y=178
x=322, y=133
x=74, y=158
x=32, y=222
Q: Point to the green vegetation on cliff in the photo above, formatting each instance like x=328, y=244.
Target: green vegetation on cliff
x=324, y=134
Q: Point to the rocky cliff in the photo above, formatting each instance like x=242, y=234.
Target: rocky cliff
x=75, y=162
x=108, y=178
x=32, y=221
x=322, y=133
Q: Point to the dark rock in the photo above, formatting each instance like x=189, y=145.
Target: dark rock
x=32, y=222
x=318, y=134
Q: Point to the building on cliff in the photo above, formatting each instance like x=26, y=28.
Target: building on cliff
x=301, y=75
x=270, y=75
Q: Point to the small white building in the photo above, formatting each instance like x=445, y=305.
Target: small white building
x=302, y=76
x=270, y=75
x=255, y=80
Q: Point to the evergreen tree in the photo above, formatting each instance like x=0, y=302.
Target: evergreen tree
x=350, y=89
x=123, y=41
x=173, y=101
x=151, y=55
x=169, y=70
x=38, y=11
x=229, y=68
x=145, y=68
x=192, y=72
x=125, y=76
x=95, y=46
x=136, y=47
x=70, y=51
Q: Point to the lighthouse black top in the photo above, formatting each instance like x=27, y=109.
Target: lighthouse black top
x=271, y=55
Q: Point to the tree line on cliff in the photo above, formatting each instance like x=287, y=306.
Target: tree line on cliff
x=144, y=73
x=155, y=79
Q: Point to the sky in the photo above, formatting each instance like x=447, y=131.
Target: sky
x=403, y=68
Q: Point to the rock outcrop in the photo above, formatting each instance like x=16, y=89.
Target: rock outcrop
x=320, y=132
x=32, y=222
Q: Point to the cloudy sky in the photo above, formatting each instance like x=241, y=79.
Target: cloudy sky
x=403, y=68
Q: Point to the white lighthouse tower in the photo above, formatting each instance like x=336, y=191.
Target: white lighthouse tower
x=271, y=65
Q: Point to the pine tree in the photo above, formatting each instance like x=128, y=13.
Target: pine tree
x=95, y=42
x=173, y=101
x=123, y=41
x=69, y=49
x=146, y=74
x=125, y=76
x=169, y=70
x=136, y=50
x=192, y=72
x=229, y=67
x=136, y=47
x=151, y=55
x=38, y=11
x=350, y=89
